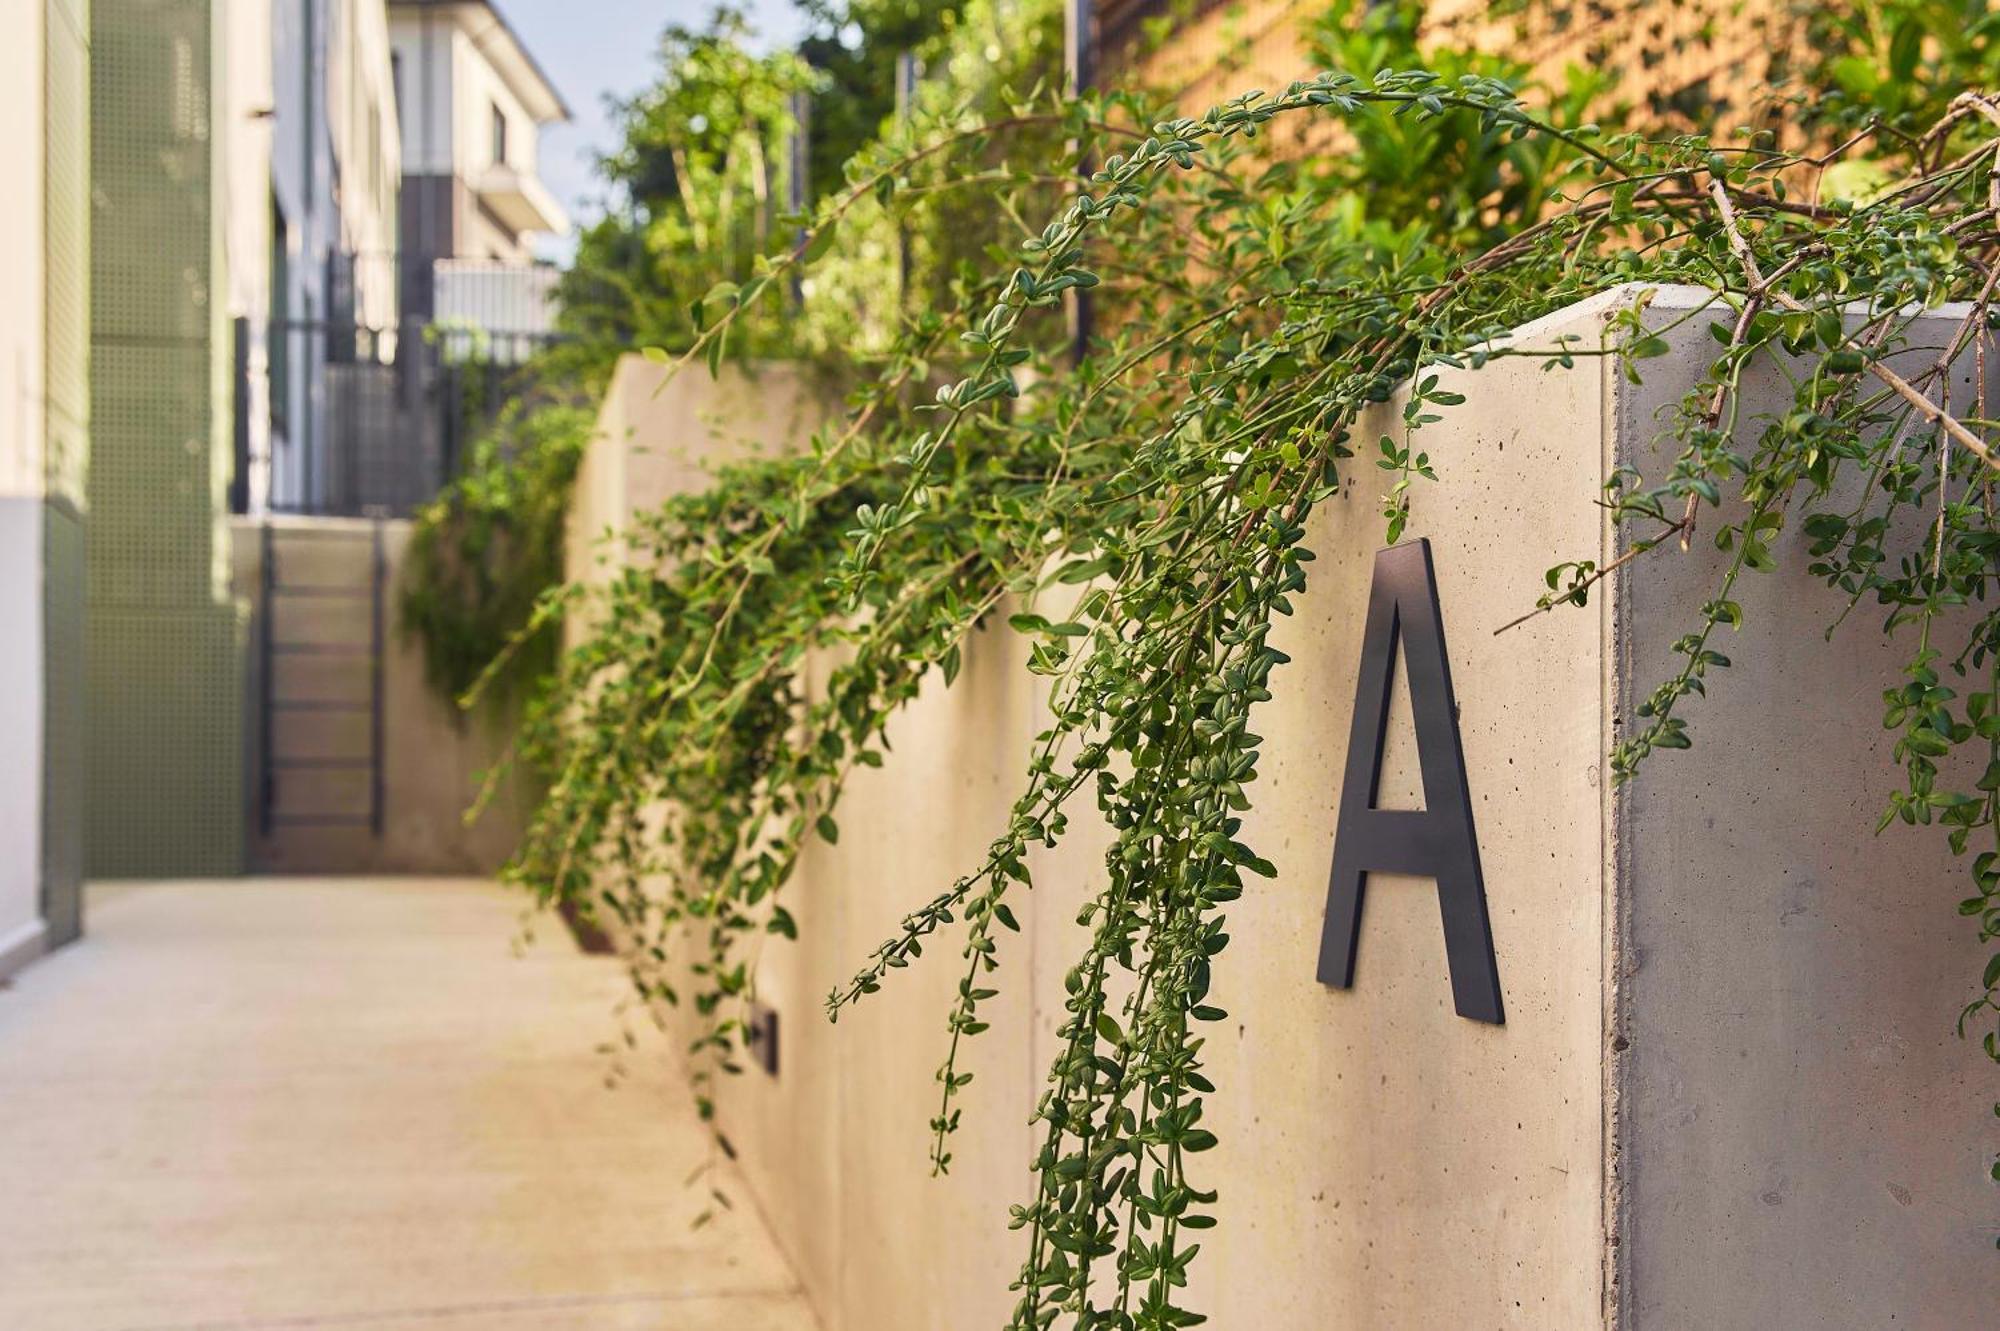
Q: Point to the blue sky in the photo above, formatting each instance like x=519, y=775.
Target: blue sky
x=590, y=48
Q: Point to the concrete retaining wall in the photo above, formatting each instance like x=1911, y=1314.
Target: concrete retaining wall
x=1727, y=1093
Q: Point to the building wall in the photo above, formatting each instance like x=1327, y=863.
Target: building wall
x=366, y=142
x=44, y=234
x=425, y=43
x=23, y=375
x=247, y=123
x=302, y=175
x=22, y=265
x=66, y=237
x=449, y=90
x=477, y=90
x=335, y=173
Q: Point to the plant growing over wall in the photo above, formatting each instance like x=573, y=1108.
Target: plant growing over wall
x=699, y=184
x=485, y=551
x=1141, y=517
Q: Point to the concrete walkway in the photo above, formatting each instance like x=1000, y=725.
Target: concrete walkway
x=347, y=1103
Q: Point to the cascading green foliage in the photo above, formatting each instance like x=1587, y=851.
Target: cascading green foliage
x=1141, y=516
x=485, y=550
x=1159, y=494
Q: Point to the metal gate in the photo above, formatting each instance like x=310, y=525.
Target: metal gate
x=320, y=651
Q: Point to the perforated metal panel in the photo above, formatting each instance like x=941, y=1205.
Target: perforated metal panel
x=164, y=637
x=165, y=757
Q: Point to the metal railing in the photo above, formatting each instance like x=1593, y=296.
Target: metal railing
x=372, y=382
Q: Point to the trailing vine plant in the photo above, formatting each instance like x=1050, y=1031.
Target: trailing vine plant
x=747, y=656
x=484, y=551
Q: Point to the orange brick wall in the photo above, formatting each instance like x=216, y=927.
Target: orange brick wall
x=1666, y=55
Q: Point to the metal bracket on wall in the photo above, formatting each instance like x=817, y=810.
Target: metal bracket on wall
x=761, y=1033
x=1437, y=841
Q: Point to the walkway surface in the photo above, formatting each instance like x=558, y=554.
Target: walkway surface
x=347, y=1103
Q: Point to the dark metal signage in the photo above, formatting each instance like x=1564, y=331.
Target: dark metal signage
x=1436, y=841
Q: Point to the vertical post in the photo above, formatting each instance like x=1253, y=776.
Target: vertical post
x=267, y=584
x=239, y=434
x=310, y=401
x=1080, y=67
x=906, y=94
x=798, y=187
x=378, y=575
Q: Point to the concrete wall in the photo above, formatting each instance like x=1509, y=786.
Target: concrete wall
x=661, y=433
x=1805, y=1140
x=1726, y=1093
x=434, y=758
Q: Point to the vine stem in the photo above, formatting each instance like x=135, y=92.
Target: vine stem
x=1902, y=387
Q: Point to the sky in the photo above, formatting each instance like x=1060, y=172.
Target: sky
x=591, y=48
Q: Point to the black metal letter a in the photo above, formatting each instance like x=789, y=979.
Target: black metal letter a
x=1436, y=841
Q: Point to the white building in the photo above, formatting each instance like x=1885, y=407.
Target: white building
x=473, y=104
x=329, y=205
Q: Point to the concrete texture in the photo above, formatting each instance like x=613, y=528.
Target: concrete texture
x=434, y=756
x=1805, y=1142
x=662, y=432
x=322, y=1102
x=1726, y=1094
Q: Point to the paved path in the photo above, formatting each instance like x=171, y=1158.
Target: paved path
x=346, y=1103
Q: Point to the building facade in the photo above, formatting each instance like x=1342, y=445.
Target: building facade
x=474, y=103
x=327, y=268
x=44, y=432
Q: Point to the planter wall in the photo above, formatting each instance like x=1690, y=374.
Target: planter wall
x=1727, y=1091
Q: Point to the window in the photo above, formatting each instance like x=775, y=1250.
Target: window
x=499, y=136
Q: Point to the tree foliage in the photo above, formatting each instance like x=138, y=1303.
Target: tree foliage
x=699, y=191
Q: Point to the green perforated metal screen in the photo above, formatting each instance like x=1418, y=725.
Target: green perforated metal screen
x=164, y=637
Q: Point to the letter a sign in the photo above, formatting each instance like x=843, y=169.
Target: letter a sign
x=1436, y=841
